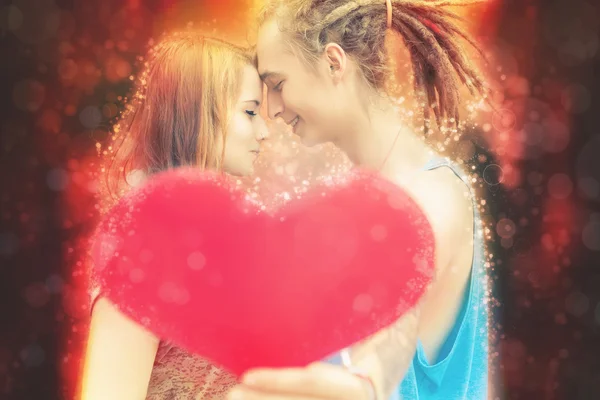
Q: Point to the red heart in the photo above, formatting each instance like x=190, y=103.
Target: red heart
x=193, y=260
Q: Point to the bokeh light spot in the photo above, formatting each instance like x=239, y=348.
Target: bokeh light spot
x=33, y=355
x=588, y=165
x=493, y=174
x=506, y=228
x=378, y=233
x=196, y=260
x=576, y=98
x=589, y=187
x=577, y=304
x=28, y=95
x=90, y=117
x=37, y=295
x=560, y=186
x=57, y=179
x=9, y=243
x=11, y=18
x=504, y=120
x=591, y=233
x=363, y=303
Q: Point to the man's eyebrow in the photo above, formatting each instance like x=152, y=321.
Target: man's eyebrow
x=269, y=74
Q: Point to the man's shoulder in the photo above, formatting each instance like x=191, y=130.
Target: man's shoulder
x=447, y=201
x=445, y=197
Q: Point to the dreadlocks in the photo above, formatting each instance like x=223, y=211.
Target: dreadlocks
x=430, y=32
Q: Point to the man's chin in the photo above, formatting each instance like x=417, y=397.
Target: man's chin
x=309, y=141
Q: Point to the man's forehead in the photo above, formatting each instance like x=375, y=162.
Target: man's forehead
x=269, y=49
x=269, y=32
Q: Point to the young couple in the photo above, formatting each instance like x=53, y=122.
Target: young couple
x=325, y=67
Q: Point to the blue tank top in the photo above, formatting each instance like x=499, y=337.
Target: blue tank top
x=461, y=371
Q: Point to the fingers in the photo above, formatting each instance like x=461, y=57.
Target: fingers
x=242, y=392
x=319, y=380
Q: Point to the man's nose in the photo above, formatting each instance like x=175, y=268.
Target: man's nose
x=275, y=105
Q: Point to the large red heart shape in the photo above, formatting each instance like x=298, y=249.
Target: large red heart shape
x=197, y=263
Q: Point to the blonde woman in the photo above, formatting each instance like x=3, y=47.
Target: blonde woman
x=197, y=105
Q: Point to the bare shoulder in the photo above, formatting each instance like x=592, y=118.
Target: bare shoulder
x=107, y=319
x=447, y=202
x=119, y=356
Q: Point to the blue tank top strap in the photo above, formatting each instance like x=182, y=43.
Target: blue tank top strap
x=437, y=162
x=460, y=372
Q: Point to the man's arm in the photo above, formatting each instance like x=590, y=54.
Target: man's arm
x=386, y=356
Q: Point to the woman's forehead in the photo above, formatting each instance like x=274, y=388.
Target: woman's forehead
x=251, y=85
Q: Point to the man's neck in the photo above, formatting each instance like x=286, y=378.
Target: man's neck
x=383, y=142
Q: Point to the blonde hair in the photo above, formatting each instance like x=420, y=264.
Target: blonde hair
x=439, y=61
x=179, y=112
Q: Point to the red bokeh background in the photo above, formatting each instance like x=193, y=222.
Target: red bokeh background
x=70, y=65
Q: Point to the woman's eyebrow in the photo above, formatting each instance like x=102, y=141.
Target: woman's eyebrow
x=252, y=101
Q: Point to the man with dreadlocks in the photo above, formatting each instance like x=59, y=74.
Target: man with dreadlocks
x=326, y=68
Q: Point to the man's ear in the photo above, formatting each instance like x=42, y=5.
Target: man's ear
x=337, y=60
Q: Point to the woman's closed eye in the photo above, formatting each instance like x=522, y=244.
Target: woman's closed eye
x=251, y=113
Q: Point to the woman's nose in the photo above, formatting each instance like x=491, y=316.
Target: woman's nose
x=262, y=130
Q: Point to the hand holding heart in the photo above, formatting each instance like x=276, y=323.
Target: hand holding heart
x=191, y=259
x=314, y=382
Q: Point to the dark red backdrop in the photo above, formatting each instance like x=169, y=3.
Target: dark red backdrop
x=66, y=65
